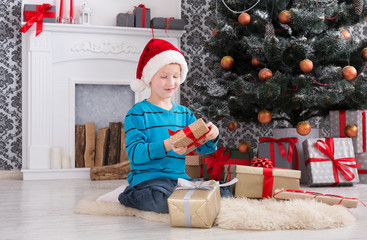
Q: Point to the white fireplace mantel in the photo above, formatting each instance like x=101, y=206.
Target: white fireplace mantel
x=52, y=64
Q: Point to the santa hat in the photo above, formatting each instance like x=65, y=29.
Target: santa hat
x=156, y=54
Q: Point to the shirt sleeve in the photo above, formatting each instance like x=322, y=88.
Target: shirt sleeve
x=138, y=149
x=208, y=147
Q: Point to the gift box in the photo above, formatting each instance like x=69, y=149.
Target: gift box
x=168, y=23
x=362, y=169
x=214, y=163
x=282, y=152
x=319, y=197
x=258, y=182
x=31, y=10
x=194, y=204
x=191, y=136
x=340, y=119
x=142, y=16
x=330, y=161
x=292, y=132
x=194, y=171
x=125, y=20
x=193, y=160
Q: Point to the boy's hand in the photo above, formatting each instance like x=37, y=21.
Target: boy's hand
x=169, y=146
x=213, y=132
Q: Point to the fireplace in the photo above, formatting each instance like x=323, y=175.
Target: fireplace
x=55, y=63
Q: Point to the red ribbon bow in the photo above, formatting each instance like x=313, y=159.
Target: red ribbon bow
x=216, y=163
x=292, y=148
x=327, y=148
x=37, y=16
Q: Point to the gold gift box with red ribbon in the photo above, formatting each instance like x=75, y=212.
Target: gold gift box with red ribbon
x=258, y=182
x=330, y=161
x=192, y=136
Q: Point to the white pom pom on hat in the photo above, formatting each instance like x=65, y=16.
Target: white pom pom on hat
x=156, y=54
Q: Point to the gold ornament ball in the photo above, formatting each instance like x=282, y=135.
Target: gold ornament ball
x=349, y=73
x=232, y=126
x=346, y=34
x=265, y=74
x=227, y=62
x=303, y=128
x=214, y=32
x=264, y=116
x=306, y=65
x=256, y=63
x=351, y=130
x=244, y=19
x=364, y=53
x=244, y=147
x=284, y=17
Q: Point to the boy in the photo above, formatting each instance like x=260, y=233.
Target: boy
x=156, y=164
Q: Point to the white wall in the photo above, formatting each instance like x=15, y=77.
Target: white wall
x=104, y=12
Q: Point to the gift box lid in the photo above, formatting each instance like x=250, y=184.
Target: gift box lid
x=277, y=172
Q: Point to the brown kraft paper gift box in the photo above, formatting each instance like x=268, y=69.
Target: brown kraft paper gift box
x=251, y=181
x=195, y=130
x=196, y=208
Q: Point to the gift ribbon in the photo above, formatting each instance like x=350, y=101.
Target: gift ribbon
x=143, y=17
x=292, y=149
x=190, y=135
x=216, y=163
x=327, y=148
x=343, y=123
x=166, y=23
x=362, y=171
x=316, y=194
x=37, y=16
x=183, y=184
x=268, y=182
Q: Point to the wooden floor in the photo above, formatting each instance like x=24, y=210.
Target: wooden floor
x=44, y=210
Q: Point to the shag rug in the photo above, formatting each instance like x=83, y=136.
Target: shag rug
x=243, y=213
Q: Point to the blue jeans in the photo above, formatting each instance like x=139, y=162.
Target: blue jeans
x=152, y=195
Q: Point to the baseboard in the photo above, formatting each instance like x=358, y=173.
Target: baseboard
x=11, y=174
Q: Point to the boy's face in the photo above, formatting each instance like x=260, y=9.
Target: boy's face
x=166, y=81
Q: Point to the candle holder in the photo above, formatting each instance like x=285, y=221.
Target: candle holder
x=61, y=20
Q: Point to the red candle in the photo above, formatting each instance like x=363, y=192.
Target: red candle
x=61, y=11
x=71, y=10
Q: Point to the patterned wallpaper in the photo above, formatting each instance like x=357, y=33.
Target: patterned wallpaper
x=196, y=15
x=10, y=85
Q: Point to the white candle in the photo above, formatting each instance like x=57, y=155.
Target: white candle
x=65, y=162
x=55, y=157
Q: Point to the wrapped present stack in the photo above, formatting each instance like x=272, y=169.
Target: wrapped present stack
x=194, y=204
x=261, y=182
x=168, y=23
x=192, y=136
x=194, y=165
x=340, y=122
x=282, y=152
x=217, y=166
x=330, y=161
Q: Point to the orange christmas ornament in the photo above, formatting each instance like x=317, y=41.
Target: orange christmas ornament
x=351, y=130
x=214, y=32
x=244, y=19
x=265, y=74
x=232, y=126
x=227, y=62
x=303, y=128
x=306, y=65
x=264, y=116
x=364, y=53
x=256, y=63
x=244, y=147
x=349, y=73
x=284, y=17
x=346, y=34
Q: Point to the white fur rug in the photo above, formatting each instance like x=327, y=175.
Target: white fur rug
x=243, y=213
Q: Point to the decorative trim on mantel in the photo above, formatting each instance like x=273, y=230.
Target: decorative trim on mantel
x=105, y=47
x=99, y=29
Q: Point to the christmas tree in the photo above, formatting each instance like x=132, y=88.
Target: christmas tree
x=295, y=59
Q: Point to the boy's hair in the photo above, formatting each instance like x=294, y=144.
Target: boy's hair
x=156, y=54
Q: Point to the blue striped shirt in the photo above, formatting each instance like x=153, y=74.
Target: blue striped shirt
x=146, y=127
